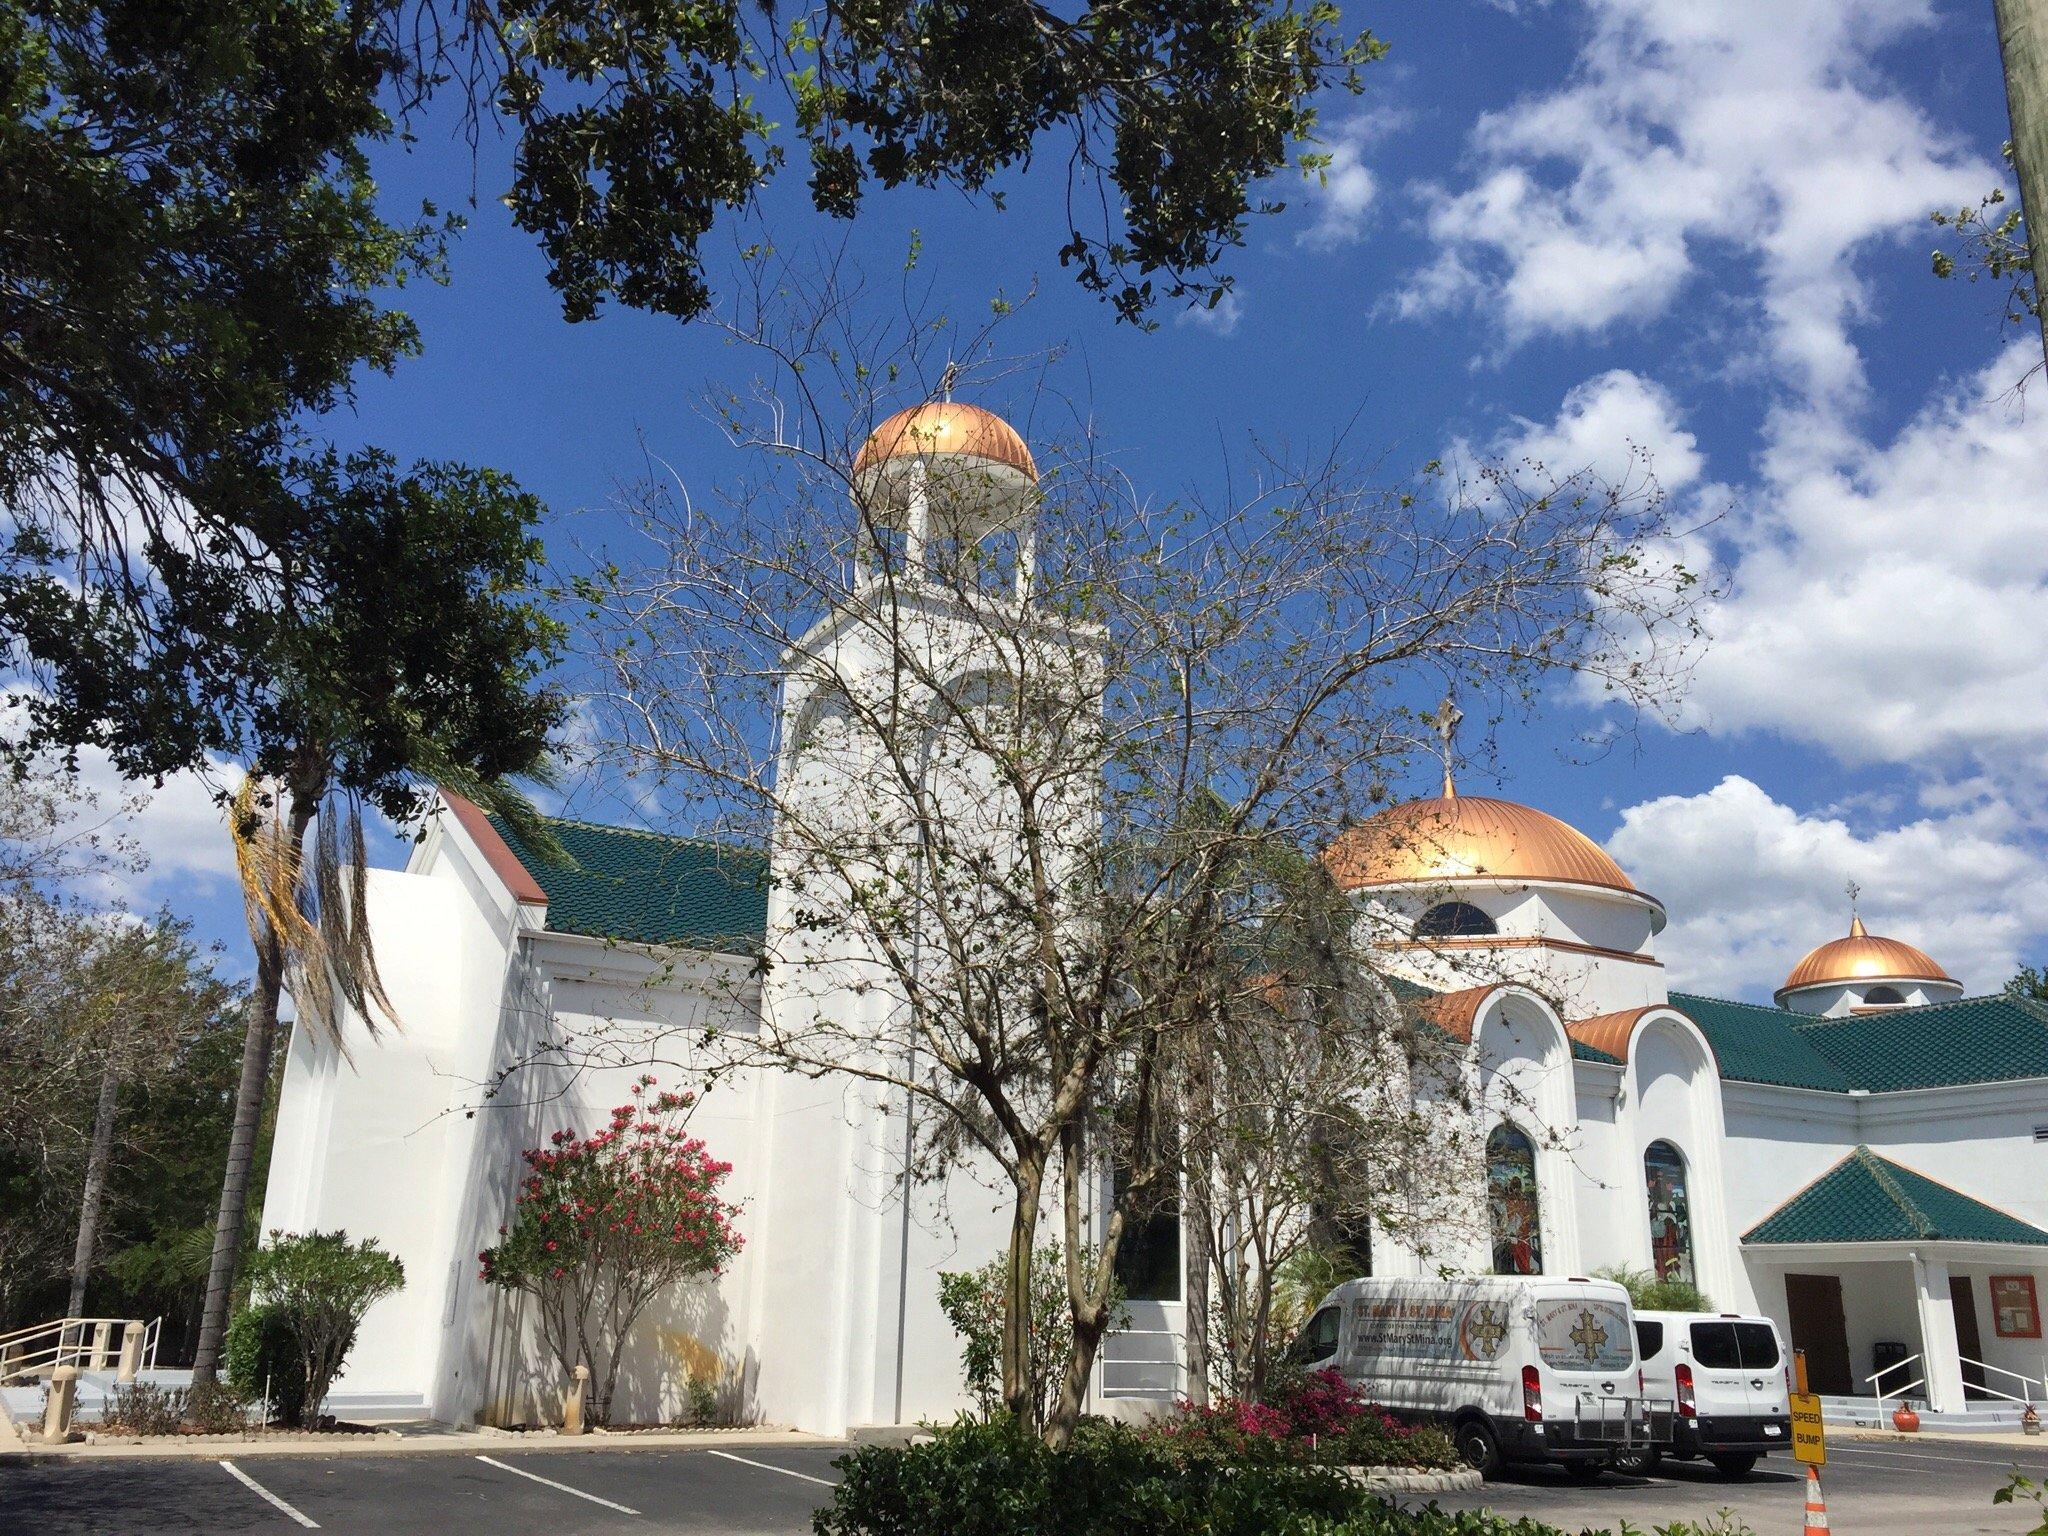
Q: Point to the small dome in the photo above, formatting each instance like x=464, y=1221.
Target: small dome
x=946, y=427
x=1862, y=956
x=1469, y=837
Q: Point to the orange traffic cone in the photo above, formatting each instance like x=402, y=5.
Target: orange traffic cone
x=1816, y=1506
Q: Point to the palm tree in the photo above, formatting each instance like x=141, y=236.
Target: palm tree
x=308, y=918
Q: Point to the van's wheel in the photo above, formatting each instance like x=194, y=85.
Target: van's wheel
x=1642, y=1463
x=1584, y=1471
x=1735, y=1464
x=1480, y=1447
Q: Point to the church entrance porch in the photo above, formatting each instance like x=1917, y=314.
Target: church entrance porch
x=1885, y=1323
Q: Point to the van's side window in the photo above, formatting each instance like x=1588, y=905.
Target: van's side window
x=1649, y=1338
x=1318, y=1341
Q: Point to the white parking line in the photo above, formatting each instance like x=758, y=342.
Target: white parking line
x=504, y=1466
x=823, y=1482
x=266, y=1495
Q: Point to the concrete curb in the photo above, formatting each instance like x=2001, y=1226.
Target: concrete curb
x=385, y=1443
x=1408, y=1480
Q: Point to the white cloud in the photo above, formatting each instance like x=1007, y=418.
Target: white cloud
x=1888, y=602
x=1221, y=317
x=179, y=827
x=1609, y=425
x=1758, y=126
x=1884, y=601
x=1345, y=190
x=1752, y=884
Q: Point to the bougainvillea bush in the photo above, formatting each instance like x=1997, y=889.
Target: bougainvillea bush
x=605, y=1223
x=1318, y=1418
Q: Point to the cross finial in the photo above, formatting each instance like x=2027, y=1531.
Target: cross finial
x=948, y=379
x=1446, y=721
x=1855, y=917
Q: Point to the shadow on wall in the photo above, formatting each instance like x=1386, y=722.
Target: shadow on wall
x=669, y=1373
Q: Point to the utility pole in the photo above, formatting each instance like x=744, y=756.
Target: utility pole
x=2023, y=46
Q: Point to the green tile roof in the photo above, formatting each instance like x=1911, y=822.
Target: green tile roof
x=1756, y=1044
x=650, y=888
x=1870, y=1199
x=1972, y=1040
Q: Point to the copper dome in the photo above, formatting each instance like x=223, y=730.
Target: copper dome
x=1863, y=956
x=950, y=427
x=1469, y=837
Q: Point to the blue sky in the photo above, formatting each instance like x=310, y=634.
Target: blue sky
x=1564, y=226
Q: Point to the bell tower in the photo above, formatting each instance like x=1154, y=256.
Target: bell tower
x=883, y=799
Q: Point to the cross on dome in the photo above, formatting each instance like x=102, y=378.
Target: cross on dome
x=1446, y=721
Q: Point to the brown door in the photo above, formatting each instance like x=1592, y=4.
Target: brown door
x=1815, y=1305
x=1968, y=1340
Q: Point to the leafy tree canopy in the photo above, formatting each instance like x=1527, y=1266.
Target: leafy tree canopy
x=187, y=274
x=639, y=123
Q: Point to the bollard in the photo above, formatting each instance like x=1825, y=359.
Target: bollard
x=102, y=1341
x=131, y=1351
x=572, y=1402
x=57, y=1408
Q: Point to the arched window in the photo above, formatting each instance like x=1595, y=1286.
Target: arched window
x=1453, y=919
x=1511, y=1202
x=1670, y=1212
x=1884, y=995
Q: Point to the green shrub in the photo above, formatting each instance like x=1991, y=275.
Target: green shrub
x=143, y=1408
x=991, y=1479
x=216, y=1408
x=1647, y=1293
x=703, y=1398
x=972, y=1301
x=988, y=1479
x=320, y=1285
x=207, y=1408
x=260, y=1359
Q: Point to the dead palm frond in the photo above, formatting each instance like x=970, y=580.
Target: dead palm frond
x=316, y=907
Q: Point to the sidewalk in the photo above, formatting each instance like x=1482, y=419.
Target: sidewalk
x=2012, y=1437
x=421, y=1441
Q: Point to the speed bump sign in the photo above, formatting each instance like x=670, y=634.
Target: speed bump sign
x=1809, y=1438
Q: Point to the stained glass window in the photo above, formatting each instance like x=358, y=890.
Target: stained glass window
x=1511, y=1202
x=1670, y=1212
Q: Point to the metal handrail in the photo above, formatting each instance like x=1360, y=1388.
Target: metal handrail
x=2021, y=1377
x=55, y=1322
x=79, y=1341
x=1889, y=1392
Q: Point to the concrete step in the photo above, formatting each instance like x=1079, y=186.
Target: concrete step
x=1868, y=1413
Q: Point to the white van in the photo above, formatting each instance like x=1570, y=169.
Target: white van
x=1517, y=1368
x=1720, y=1383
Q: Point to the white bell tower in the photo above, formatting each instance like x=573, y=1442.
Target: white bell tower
x=869, y=778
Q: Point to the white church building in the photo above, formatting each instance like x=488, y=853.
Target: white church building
x=1864, y=1160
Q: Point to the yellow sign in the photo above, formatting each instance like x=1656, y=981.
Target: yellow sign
x=1809, y=1436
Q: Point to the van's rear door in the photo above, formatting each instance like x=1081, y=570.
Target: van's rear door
x=1587, y=1345
x=1763, y=1372
x=1719, y=1382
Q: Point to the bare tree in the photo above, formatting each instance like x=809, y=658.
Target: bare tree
x=1021, y=754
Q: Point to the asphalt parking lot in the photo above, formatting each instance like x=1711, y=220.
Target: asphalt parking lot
x=1873, y=1489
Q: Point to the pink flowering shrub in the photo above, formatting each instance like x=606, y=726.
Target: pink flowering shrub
x=1315, y=1418
x=604, y=1223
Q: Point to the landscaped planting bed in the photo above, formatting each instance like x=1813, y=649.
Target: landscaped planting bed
x=988, y=1479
